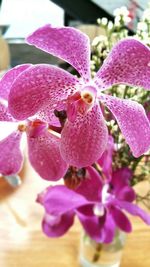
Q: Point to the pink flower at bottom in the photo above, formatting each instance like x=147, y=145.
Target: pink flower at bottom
x=98, y=204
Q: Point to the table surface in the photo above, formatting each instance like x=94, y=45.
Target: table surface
x=22, y=243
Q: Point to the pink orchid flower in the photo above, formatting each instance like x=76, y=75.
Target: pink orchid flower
x=100, y=207
x=43, y=146
x=43, y=88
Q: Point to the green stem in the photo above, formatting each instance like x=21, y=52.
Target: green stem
x=125, y=91
x=97, y=253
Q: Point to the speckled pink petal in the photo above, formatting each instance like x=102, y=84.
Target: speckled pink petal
x=133, y=122
x=128, y=63
x=44, y=156
x=105, y=160
x=47, y=113
x=38, y=86
x=11, y=158
x=57, y=226
x=8, y=79
x=84, y=140
x=66, y=43
x=4, y=114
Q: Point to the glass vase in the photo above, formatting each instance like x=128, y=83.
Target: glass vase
x=94, y=254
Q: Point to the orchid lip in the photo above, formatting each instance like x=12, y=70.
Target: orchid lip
x=22, y=127
x=99, y=210
x=88, y=94
x=87, y=97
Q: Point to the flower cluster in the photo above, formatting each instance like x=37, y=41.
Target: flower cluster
x=98, y=201
x=143, y=27
x=69, y=122
x=122, y=16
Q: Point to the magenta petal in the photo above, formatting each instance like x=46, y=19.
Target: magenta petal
x=121, y=178
x=93, y=225
x=59, y=200
x=120, y=183
x=47, y=113
x=127, y=193
x=109, y=229
x=37, y=87
x=134, y=210
x=57, y=226
x=93, y=192
x=44, y=156
x=133, y=122
x=101, y=229
x=8, y=79
x=67, y=43
x=121, y=220
x=11, y=158
x=84, y=140
x=4, y=114
x=128, y=63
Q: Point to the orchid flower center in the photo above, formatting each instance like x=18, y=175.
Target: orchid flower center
x=99, y=208
x=105, y=193
x=81, y=102
x=88, y=95
x=22, y=127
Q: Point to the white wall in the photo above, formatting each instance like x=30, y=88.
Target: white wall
x=25, y=16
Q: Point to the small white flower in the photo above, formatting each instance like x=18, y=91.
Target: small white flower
x=99, y=21
x=142, y=26
x=104, y=21
x=117, y=21
x=99, y=39
x=110, y=25
x=95, y=41
x=146, y=15
x=122, y=11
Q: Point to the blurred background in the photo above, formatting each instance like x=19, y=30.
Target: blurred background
x=18, y=18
